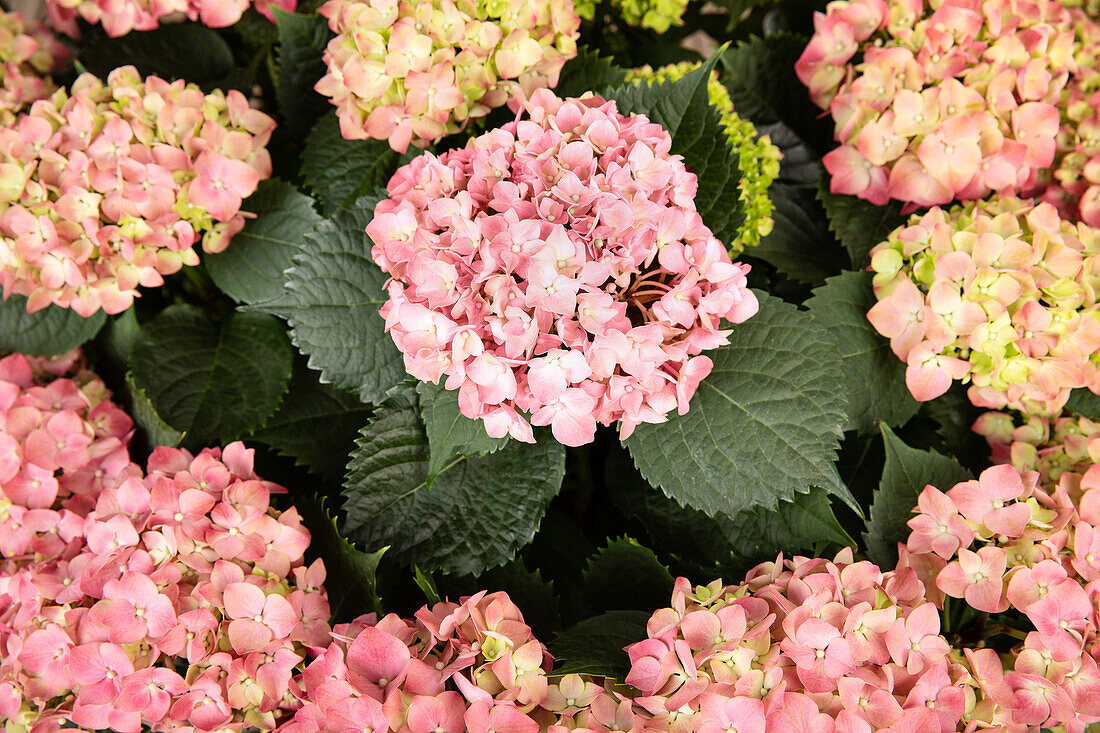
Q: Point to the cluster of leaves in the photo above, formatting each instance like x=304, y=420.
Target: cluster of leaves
x=802, y=439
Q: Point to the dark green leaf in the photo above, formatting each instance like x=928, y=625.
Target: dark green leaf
x=801, y=245
x=251, y=269
x=157, y=432
x=316, y=425
x=340, y=171
x=188, y=51
x=47, y=332
x=625, y=575
x=588, y=72
x=450, y=433
x=351, y=586
x=475, y=515
x=874, y=377
x=302, y=40
x=331, y=299
x=214, y=381
x=905, y=475
x=859, y=224
x=595, y=646
x=764, y=426
x=683, y=108
x=1085, y=403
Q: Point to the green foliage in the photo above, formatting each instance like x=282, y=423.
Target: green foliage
x=316, y=425
x=859, y=224
x=683, y=108
x=251, y=269
x=211, y=380
x=589, y=72
x=595, y=646
x=157, y=432
x=188, y=51
x=449, y=432
x=873, y=376
x=625, y=575
x=1085, y=403
x=302, y=40
x=340, y=171
x=331, y=298
x=47, y=332
x=476, y=512
x=800, y=245
x=764, y=426
x=352, y=583
x=905, y=475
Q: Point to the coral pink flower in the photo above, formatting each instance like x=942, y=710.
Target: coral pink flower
x=978, y=577
x=257, y=618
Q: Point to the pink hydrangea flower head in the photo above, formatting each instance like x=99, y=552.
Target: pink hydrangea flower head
x=951, y=100
x=413, y=72
x=555, y=272
x=107, y=196
x=997, y=294
x=120, y=17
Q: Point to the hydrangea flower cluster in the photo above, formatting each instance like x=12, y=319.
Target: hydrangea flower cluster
x=28, y=53
x=807, y=645
x=111, y=185
x=119, y=17
x=657, y=15
x=758, y=157
x=998, y=293
x=1074, y=184
x=949, y=100
x=179, y=601
x=557, y=266
x=469, y=666
x=415, y=71
x=1051, y=446
x=1004, y=542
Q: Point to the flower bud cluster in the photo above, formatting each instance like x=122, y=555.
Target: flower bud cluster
x=416, y=70
x=998, y=293
x=172, y=600
x=110, y=185
x=1004, y=542
x=119, y=17
x=947, y=100
x=28, y=53
x=657, y=15
x=469, y=666
x=1051, y=446
x=758, y=158
x=557, y=266
x=805, y=645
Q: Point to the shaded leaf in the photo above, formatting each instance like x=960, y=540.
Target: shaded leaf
x=595, y=646
x=1085, y=403
x=625, y=575
x=213, y=381
x=476, y=513
x=331, y=299
x=188, y=51
x=250, y=270
x=157, y=432
x=450, y=433
x=873, y=376
x=351, y=586
x=340, y=171
x=764, y=426
x=859, y=224
x=47, y=332
x=302, y=41
x=316, y=425
x=588, y=72
x=800, y=245
x=905, y=475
